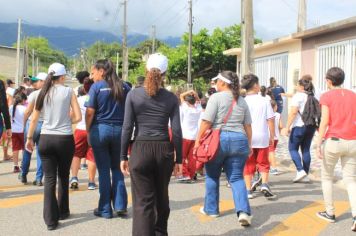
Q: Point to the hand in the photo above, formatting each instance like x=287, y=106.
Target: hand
x=319, y=152
x=8, y=133
x=271, y=141
x=285, y=132
x=124, y=166
x=88, y=140
x=29, y=145
x=178, y=169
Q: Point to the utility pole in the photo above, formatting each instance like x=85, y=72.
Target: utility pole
x=17, y=76
x=25, y=58
x=33, y=61
x=125, y=56
x=190, y=43
x=247, y=37
x=153, y=39
x=117, y=62
x=302, y=16
x=37, y=65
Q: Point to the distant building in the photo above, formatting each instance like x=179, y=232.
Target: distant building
x=8, y=62
x=312, y=51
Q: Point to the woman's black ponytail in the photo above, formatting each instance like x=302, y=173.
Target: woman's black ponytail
x=44, y=91
x=110, y=76
x=235, y=83
x=307, y=85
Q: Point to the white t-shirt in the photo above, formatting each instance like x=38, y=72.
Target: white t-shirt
x=261, y=111
x=277, y=118
x=10, y=91
x=17, y=125
x=81, y=101
x=298, y=100
x=189, y=119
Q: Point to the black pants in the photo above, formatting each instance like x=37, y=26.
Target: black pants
x=151, y=166
x=56, y=155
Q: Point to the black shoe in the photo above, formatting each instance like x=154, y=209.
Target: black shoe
x=37, y=183
x=24, y=179
x=52, y=227
x=64, y=216
x=121, y=213
x=325, y=216
x=98, y=214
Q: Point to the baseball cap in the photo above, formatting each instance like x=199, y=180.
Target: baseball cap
x=40, y=76
x=219, y=76
x=58, y=69
x=158, y=61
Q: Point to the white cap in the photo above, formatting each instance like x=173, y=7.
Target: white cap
x=41, y=76
x=158, y=61
x=219, y=76
x=58, y=69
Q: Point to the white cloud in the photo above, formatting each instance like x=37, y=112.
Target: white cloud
x=272, y=18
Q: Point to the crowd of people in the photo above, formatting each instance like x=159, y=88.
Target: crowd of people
x=150, y=134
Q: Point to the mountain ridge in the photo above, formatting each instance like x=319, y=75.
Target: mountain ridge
x=71, y=40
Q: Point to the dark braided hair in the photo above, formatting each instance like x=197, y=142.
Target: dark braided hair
x=235, y=82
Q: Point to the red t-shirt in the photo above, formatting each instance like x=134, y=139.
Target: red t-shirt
x=342, y=113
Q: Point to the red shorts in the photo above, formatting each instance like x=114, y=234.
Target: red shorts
x=257, y=160
x=17, y=141
x=274, y=146
x=82, y=148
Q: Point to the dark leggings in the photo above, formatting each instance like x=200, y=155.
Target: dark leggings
x=56, y=155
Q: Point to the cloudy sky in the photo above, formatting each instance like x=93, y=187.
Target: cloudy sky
x=272, y=18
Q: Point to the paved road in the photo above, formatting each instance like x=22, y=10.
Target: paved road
x=293, y=213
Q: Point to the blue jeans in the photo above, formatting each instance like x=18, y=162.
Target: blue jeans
x=106, y=142
x=301, y=137
x=26, y=159
x=232, y=155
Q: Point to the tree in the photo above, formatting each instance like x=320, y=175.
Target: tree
x=207, y=53
x=45, y=53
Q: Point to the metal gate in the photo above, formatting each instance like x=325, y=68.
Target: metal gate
x=341, y=54
x=272, y=66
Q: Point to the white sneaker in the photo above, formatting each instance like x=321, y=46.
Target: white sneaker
x=204, y=213
x=305, y=180
x=300, y=175
x=244, y=219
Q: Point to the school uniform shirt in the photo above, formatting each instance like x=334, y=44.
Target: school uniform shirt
x=298, y=100
x=261, y=111
x=81, y=101
x=17, y=125
x=189, y=118
x=107, y=109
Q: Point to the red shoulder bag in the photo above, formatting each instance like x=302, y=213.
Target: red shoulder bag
x=210, y=141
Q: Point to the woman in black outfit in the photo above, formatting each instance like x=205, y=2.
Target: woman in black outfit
x=149, y=109
x=4, y=110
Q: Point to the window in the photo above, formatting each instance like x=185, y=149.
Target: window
x=341, y=54
x=272, y=66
